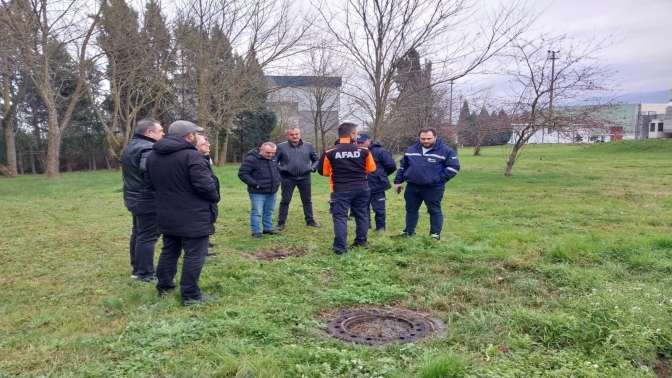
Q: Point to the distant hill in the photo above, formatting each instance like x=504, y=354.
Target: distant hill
x=655, y=97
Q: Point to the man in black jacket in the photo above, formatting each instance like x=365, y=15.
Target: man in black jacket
x=297, y=160
x=139, y=198
x=260, y=172
x=378, y=181
x=186, y=206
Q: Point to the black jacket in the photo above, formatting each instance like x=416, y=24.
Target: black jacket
x=257, y=170
x=186, y=192
x=137, y=188
x=385, y=166
x=347, y=166
x=298, y=161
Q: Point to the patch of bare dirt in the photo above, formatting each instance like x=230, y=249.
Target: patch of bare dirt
x=664, y=368
x=276, y=254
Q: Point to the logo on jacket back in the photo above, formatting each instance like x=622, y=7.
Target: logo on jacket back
x=347, y=154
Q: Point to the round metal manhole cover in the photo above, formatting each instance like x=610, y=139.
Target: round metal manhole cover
x=376, y=326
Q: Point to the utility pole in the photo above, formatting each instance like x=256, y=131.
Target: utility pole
x=550, y=104
x=450, y=110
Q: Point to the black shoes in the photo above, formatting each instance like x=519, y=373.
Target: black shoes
x=271, y=232
x=193, y=301
x=148, y=279
x=163, y=293
x=313, y=224
x=403, y=234
x=363, y=245
x=210, y=245
x=339, y=252
x=258, y=235
x=281, y=226
x=379, y=229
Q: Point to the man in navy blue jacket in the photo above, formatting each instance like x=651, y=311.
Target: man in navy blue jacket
x=426, y=167
x=378, y=181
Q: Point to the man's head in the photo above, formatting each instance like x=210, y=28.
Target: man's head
x=347, y=130
x=202, y=145
x=293, y=135
x=364, y=140
x=427, y=137
x=149, y=127
x=186, y=130
x=267, y=149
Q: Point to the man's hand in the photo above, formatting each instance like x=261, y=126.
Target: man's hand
x=398, y=188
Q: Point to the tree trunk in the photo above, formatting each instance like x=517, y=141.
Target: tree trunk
x=224, y=149
x=53, y=148
x=512, y=159
x=477, y=150
x=32, y=159
x=10, y=147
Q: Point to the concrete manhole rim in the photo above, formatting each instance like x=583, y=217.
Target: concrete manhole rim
x=419, y=325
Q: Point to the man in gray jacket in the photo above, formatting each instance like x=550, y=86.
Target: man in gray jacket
x=297, y=160
x=140, y=198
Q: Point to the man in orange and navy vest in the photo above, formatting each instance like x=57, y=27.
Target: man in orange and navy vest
x=347, y=165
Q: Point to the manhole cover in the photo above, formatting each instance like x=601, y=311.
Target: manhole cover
x=383, y=326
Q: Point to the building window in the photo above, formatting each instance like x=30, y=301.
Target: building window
x=653, y=127
x=660, y=126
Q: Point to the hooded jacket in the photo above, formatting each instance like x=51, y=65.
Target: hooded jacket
x=257, y=170
x=434, y=168
x=385, y=166
x=296, y=162
x=186, y=193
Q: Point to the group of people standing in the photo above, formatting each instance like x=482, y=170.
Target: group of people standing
x=170, y=189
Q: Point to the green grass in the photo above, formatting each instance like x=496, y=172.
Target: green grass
x=566, y=266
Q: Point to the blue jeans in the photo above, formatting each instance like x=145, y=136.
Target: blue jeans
x=358, y=202
x=432, y=196
x=263, y=206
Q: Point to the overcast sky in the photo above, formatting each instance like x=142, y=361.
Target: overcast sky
x=644, y=58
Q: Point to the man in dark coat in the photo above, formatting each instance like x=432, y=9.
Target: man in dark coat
x=186, y=205
x=347, y=166
x=139, y=198
x=378, y=181
x=260, y=172
x=203, y=148
x=426, y=167
x=297, y=160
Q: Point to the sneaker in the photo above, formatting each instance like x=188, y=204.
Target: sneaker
x=148, y=279
x=163, y=293
x=258, y=235
x=193, y=301
x=403, y=234
x=340, y=252
x=313, y=224
x=379, y=229
x=271, y=232
x=210, y=253
x=435, y=236
x=363, y=246
x=134, y=275
x=208, y=259
x=280, y=227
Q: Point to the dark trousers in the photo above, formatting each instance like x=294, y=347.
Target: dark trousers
x=144, y=234
x=377, y=204
x=431, y=196
x=287, y=187
x=358, y=202
x=195, y=250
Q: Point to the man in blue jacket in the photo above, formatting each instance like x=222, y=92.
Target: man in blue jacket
x=260, y=172
x=378, y=181
x=426, y=167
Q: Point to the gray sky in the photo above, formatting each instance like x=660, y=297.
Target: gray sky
x=644, y=58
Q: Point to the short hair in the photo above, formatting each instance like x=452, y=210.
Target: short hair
x=292, y=128
x=146, y=124
x=269, y=144
x=428, y=130
x=346, y=128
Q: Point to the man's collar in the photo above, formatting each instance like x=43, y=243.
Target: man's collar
x=145, y=137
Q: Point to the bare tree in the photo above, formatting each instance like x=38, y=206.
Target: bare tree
x=543, y=89
x=44, y=29
x=374, y=35
x=13, y=86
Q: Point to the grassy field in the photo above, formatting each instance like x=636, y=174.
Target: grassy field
x=565, y=266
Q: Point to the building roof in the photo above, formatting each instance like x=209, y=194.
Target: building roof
x=305, y=81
